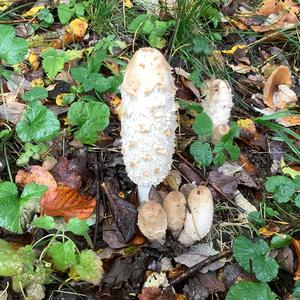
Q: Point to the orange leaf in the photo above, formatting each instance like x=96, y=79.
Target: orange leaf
x=67, y=202
x=36, y=174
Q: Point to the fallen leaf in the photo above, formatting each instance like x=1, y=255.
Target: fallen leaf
x=34, y=60
x=34, y=10
x=269, y=230
x=211, y=282
x=243, y=203
x=198, y=253
x=36, y=174
x=66, y=202
x=226, y=184
x=69, y=172
x=288, y=170
x=127, y=3
x=11, y=111
x=112, y=235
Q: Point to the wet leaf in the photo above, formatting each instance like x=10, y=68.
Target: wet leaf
x=66, y=202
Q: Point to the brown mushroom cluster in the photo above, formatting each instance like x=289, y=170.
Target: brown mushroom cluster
x=188, y=218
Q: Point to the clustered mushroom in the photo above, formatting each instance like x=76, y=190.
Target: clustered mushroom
x=148, y=119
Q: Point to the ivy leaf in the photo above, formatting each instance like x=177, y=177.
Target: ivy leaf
x=91, y=117
x=78, y=226
x=63, y=255
x=203, y=125
x=89, y=268
x=250, y=255
x=64, y=13
x=248, y=290
x=35, y=94
x=12, y=49
x=201, y=153
x=44, y=222
x=38, y=124
x=282, y=187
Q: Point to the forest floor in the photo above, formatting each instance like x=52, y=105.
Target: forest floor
x=68, y=210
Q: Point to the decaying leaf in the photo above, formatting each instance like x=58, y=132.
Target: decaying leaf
x=36, y=174
x=11, y=111
x=66, y=202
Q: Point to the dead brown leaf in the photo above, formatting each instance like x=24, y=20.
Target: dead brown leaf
x=36, y=174
x=67, y=202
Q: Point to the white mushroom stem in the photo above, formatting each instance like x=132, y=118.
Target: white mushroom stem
x=217, y=105
x=148, y=119
x=198, y=220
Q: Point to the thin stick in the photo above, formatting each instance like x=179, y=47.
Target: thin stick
x=192, y=271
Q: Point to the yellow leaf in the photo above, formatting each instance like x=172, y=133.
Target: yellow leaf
x=34, y=60
x=78, y=27
x=233, y=49
x=37, y=82
x=33, y=11
x=5, y=4
x=59, y=99
x=287, y=170
x=73, y=274
x=128, y=3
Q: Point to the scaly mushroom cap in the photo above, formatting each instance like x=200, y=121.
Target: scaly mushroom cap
x=199, y=220
x=175, y=207
x=152, y=220
x=148, y=118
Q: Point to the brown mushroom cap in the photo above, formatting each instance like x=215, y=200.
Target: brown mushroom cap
x=152, y=220
x=281, y=75
x=175, y=207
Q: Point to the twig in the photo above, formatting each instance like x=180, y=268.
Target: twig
x=192, y=271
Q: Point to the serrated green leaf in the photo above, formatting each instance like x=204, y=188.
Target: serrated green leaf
x=77, y=226
x=35, y=94
x=44, y=222
x=248, y=290
x=137, y=23
x=282, y=187
x=80, y=74
x=201, y=153
x=62, y=254
x=12, y=49
x=203, y=125
x=254, y=257
x=280, y=240
x=38, y=124
x=64, y=13
x=91, y=117
x=90, y=267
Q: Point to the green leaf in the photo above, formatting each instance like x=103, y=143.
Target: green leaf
x=62, y=254
x=148, y=26
x=38, y=124
x=35, y=94
x=64, y=13
x=234, y=151
x=220, y=157
x=255, y=218
x=201, y=153
x=254, y=257
x=248, y=290
x=80, y=74
x=190, y=106
x=44, y=222
x=201, y=45
x=10, y=263
x=137, y=22
x=9, y=207
x=282, y=187
x=96, y=59
x=203, y=125
x=45, y=16
x=280, y=240
x=78, y=226
x=91, y=117
x=39, y=275
x=98, y=82
x=296, y=292
x=156, y=41
x=90, y=267
x=32, y=191
x=297, y=201
x=53, y=61
x=12, y=49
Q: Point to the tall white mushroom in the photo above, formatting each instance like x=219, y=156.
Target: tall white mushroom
x=148, y=119
x=218, y=104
